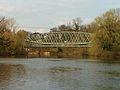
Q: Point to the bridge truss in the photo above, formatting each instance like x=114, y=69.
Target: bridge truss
x=59, y=39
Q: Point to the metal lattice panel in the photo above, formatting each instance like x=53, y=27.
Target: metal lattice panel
x=59, y=39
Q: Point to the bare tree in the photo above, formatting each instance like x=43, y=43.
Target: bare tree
x=76, y=24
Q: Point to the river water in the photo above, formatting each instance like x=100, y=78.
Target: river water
x=58, y=74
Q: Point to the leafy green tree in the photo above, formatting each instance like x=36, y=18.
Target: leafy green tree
x=106, y=33
x=109, y=30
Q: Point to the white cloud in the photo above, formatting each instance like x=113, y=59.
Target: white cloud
x=32, y=30
x=50, y=13
x=6, y=9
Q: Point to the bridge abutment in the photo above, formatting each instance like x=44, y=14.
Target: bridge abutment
x=60, y=52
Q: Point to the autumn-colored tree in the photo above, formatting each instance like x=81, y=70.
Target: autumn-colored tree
x=12, y=40
x=20, y=42
x=107, y=34
x=6, y=37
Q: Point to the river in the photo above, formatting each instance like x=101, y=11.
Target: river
x=58, y=74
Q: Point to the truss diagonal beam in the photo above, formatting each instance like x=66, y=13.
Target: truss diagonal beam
x=58, y=39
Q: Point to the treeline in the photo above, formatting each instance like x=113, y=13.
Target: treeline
x=74, y=25
x=12, y=39
x=105, y=30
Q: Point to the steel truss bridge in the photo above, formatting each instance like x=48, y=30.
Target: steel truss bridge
x=58, y=39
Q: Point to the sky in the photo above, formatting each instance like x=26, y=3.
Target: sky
x=45, y=14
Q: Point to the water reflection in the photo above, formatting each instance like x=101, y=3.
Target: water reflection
x=62, y=77
x=63, y=69
x=59, y=75
x=11, y=76
x=75, y=78
x=111, y=73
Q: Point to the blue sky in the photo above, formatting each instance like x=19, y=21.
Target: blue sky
x=50, y=13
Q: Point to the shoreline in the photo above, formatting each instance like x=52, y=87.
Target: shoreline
x=91, y=58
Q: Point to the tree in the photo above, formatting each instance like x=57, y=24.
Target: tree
x=20, y=42
x=6, y=37
x=76, y=24
x=54, y=29
x=12, y=40
x=92, y=27
x=107, y=33
x=62, y=27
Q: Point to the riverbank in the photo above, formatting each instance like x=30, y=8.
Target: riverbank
x=86, y=58
x=71, y=53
